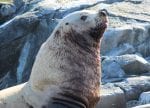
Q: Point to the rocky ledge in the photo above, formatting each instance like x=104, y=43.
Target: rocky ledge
x=125, y=51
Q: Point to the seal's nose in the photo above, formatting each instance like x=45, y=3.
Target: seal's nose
x=103, y=12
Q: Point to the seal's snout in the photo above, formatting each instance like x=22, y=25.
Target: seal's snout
x=103, y=13
x=101, y=24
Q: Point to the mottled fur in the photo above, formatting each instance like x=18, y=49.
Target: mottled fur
x=66, y=72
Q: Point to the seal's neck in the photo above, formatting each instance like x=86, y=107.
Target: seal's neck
x=81, y=66
x=67, y=65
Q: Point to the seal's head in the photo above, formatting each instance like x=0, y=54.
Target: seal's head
x=91, y=24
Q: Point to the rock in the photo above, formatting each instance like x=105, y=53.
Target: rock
x=145, y=98
x=148, y=59
x=143, y=106
x=111, y=80
x=134, y=86
x=113, y=1
x=135, y=1
x=12, y=42
x=19, y=3
x=111, y=69
x=143, y=47
x=111, y=97
x=132, y=103
x=136, y=36
x=135, y=64
x=130, y=63
x=7, y=81
x=125, y=48
x=125, y=13
x=7, y=10
x=9, y=55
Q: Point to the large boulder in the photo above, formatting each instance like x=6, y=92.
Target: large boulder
x=111, y=97
x=136, y=36
x=111, y=70
x=7, y=10
x=134, y=86
x=142, y=106
x=130, y=63
x=145, y=98
x=122, y=49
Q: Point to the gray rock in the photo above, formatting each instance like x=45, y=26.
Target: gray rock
x=135, y=1
x=135, y=64
x=136, y=36
x=111, y=97
x=124, y=13
x=133, y=103
x=111, y=69
x=19, y=3
x=125, y=48
x=111, y=80
x=7, y=10
x=145, y=98
x=142, y=106
x=134, y=86
x=143, y=47
x=113, y=1
x=148, y=59
x=7, y=81
x=131, y=63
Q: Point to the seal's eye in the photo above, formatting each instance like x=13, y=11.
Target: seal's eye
x=67, y=23
x=84, y=17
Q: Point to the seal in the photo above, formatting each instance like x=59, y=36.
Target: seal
x=66, y=72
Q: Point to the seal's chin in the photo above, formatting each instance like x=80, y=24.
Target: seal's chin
x=99, y=30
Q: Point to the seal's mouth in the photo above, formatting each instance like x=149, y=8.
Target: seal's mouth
x=104, y=18
x=99, y=30
x=101, y=27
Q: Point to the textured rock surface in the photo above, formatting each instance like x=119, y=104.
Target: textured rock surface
x=111, y=69
x=145, y=98
x=121, y=50
x=142, y=106
x=134, y=86
x=135, y=36
x=130, y=63
x=111, y=97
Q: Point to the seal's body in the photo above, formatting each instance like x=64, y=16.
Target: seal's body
x=66, y=71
